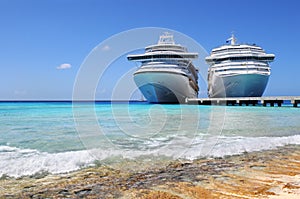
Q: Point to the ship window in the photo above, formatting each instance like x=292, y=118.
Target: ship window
x=243, y=58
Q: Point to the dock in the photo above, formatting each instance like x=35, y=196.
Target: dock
x=265, y=101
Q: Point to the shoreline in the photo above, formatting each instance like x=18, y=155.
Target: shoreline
x=264, y=174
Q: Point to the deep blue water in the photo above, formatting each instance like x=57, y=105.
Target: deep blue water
x=61, y=136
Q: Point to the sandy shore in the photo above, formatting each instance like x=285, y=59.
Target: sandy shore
x=267, y=174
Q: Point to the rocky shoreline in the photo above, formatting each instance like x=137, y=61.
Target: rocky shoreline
x=265, y=174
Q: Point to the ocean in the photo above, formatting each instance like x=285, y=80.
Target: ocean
x=59, y=137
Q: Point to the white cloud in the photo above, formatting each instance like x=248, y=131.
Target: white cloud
x=64, y=66
x=106, y=48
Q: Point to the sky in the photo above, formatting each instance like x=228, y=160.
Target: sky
x=43, y=44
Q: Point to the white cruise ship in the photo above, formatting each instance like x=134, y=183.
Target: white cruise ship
x=238, y=70
x=166, y=74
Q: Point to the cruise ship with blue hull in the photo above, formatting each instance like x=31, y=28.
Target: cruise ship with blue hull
x=238, y=70
x=166, y=73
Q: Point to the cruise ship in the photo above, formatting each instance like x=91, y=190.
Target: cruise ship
x=166, y=73
x=238, y=70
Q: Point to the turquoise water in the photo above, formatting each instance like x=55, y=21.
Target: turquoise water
x=60, y=136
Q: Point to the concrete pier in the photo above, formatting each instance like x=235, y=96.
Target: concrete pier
x=265, y=101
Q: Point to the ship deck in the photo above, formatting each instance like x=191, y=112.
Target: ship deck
x=264, y=101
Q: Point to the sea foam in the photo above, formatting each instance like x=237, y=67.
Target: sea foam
x=16, y=162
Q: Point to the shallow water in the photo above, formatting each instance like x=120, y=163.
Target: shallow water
x=60, y=136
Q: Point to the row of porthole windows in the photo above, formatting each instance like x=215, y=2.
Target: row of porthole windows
x=243, y=69
x=242, y=58
x=162, y=56
x=239, y=49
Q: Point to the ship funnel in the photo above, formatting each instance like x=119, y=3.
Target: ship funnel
x=166, y=38
x=232, y=40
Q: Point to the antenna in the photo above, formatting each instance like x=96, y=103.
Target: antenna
x=233, y=40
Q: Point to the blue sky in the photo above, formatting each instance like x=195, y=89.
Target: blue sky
x=39, y=36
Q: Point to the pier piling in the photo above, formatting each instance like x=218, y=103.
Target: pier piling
x=295, y=102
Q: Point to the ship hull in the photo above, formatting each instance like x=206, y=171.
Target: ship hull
x=164, y=87
x=239, y=85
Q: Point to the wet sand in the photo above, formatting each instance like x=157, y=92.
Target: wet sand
x=266, y=174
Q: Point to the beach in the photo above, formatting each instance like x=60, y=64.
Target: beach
x=264, y=174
